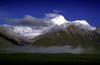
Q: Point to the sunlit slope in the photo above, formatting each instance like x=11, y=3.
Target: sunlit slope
x=73, y=36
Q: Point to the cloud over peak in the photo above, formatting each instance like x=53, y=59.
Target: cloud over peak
x=51, y=15
x=28, y=21
x=57, y=11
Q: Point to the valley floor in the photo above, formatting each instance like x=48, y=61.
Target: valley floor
x=63, y=58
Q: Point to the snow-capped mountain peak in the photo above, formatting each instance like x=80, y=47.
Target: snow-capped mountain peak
x=83, y=25
x=59, y=20
x=58, y=23
x=80, y=22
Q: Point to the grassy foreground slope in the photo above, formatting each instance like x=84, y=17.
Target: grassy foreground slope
x=66, y=58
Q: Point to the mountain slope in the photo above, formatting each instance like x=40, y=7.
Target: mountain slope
x=60, y=33
x=83, y=25
x=96, y=36
x=6, y=38
x=29, y=32
x=72, y=36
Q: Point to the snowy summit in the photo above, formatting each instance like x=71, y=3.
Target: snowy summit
x=59, y=20
x=83, y=25
x=29, y=32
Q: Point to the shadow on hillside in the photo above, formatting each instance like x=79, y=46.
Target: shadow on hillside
x=11, y=40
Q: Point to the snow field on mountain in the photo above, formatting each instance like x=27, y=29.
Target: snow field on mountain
x=55, y=24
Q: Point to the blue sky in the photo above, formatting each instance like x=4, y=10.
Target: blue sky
x=88, y=10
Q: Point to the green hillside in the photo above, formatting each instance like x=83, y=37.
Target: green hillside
x=73, y=38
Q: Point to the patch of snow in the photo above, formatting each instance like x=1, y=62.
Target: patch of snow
x=55, y=24
x=59, y=20
x=83, y=25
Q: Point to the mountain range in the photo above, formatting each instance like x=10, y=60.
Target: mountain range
x=59, y=32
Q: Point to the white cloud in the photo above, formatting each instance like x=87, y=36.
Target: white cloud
x=7, y=29
x=57, y=11
x=44, y=25
x=83, y=24
x=28, y=21
x=38, y=26
x=53, y=49
x=51, y=15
